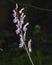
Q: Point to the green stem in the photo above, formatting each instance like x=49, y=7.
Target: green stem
x=28, y=54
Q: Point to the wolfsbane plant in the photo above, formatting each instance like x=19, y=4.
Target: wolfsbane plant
x=21, y=30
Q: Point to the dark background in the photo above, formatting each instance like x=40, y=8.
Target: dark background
x=39, y=13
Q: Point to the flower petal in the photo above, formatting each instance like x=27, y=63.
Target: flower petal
x=29, y=45
x=20, y=45
x=18, y=31
x=24, y=28
x=30, y=50
x=21, y=10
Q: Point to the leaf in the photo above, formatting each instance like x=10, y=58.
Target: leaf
x=1, y=49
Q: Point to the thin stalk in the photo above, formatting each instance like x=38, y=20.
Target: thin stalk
x=28, y=54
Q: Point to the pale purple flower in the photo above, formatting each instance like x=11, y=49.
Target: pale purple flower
x=18, y=31
x=20, y=45
x=14, y=13
x=21, y=30
x=25, y=26
x=21, y=10
x=15, y=17
x=24, y=35
x=21, y=37
x=21, y=41
x=15, y=20
x=22, y=16
x=22, y=19
x=18, y=24
x=30, y=50
x=25, y=29
x=29, y=45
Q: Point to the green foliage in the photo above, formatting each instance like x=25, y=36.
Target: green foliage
x=14, y=56
x=1, y=49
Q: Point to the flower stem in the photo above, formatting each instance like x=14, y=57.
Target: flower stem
x=28, y=54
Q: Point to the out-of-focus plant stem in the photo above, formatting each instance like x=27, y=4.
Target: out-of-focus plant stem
x=28, y=54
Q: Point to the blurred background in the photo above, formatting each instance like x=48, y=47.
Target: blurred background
x=39, y=15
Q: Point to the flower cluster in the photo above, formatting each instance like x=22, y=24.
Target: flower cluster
x=21, y=28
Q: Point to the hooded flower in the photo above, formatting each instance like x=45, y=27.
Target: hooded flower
x=14, y=15
x=21, y=41
x=29, y=45
x=21, y=29
x=25, y=27
x=21, y=10
x=22, y=18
